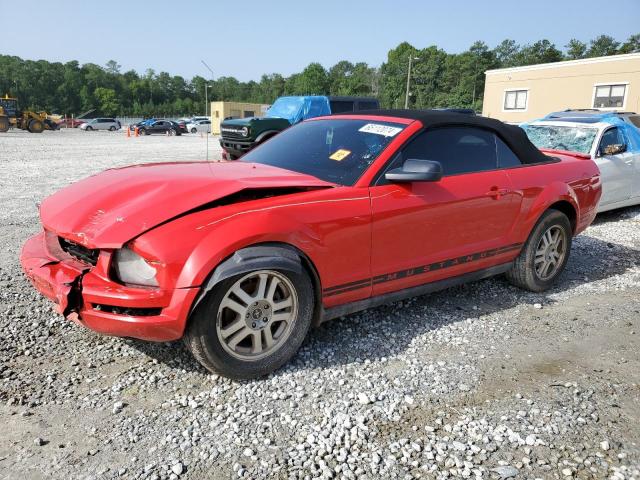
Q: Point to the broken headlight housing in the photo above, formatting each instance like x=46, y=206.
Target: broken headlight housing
x=134, y=269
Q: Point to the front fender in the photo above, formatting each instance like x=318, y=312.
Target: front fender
x=244, y=230
x=264, y=135
x=260, y=257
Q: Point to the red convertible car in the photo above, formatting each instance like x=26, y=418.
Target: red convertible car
x=332, y=216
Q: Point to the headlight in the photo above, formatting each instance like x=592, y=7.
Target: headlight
x=244, y=131
x=132, y=268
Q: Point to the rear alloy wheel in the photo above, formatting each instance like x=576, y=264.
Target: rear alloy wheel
x=172, y=132
x=251, y=324
x=545, y=254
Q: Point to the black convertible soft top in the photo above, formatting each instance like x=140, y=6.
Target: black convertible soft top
x=512, y=135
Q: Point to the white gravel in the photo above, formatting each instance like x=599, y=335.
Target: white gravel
x=480, y=381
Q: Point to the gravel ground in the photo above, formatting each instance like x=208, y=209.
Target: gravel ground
x=480, y=381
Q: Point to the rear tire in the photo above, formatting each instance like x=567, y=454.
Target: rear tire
x=194, y=130
x=112, y=129
x=544, y=255
x=235, y=342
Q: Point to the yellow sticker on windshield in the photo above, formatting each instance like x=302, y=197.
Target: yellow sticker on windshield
x=340, y=155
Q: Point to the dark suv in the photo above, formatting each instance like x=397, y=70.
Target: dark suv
x=239, y=135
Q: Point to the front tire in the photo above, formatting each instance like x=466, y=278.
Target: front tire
x=251, y=324
x=194, y=130
x=544, y=255
x=88, y=129
x=35, y=126
x=112, y=129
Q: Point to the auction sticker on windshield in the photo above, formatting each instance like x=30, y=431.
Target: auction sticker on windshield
x=339, y=155
x=384, y=130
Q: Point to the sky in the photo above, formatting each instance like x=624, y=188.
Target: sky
x=247, y=38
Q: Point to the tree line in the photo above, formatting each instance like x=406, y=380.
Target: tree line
x=438, y=79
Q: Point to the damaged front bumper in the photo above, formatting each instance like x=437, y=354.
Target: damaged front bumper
x=85, y=294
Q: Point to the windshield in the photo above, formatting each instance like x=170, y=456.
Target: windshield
x=337, y=151
x=569, y=138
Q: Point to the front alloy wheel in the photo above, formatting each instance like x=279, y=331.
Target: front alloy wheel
x=256, y=315
x=251, y=324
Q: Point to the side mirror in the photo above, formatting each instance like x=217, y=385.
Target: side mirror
x=614, y=149
x=416, y=170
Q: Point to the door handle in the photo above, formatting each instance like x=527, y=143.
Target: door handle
x=496, y=192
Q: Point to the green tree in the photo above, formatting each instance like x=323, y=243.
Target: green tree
x=602, y=46
x=107, y=101
x=542, y=51
x=576, y=49
x=506, y=53
x=632, y=45
x=313, y=80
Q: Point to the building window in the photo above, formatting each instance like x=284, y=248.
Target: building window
x=609, y=96
x=515, y=99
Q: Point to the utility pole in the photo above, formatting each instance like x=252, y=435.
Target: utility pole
x=206, y=103
x=406, y=98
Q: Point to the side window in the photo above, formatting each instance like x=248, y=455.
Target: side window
x=367, y=105
x=458, y=149
x=610, y=137
x=340, y=106
x=506, y=157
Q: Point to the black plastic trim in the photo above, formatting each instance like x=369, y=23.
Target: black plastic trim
x=357, y=306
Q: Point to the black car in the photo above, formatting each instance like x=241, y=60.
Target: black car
x=160, y=126
x=183, y=125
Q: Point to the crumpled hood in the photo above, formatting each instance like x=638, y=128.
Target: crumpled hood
x=110, y=208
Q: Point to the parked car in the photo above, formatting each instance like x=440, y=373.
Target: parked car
x=110, y=124
x=199, y=126
x=605, y=137
x=182, y=123
x=71, y=122
x=142, y=123
x=239, y=135
x=332, y=216
x=160, y=126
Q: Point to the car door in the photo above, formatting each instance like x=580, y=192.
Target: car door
x=158, y=127
x=631, y=155
x=617, y=170
x=427, y=231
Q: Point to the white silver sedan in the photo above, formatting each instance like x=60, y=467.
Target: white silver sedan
x=612, y=146
x=199, y=126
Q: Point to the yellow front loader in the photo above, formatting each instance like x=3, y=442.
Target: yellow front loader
x=12, y=117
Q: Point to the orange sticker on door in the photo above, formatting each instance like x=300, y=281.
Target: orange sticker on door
x=340, y=155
